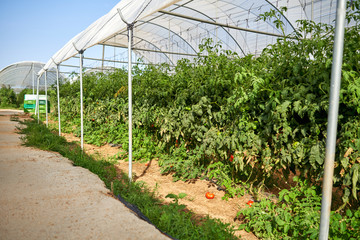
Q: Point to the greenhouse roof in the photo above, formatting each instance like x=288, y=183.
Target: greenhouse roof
x=168, y=30
x=24, y=75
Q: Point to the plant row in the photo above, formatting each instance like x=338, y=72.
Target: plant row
x=232, y=119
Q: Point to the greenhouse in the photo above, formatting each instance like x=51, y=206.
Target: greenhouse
x=24, y=75
x=166, y=31
x=233, y=90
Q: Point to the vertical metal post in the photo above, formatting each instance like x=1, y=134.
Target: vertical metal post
x=32, y=75
x=46, y=100
x=312, y=10
x=103, y=56
x=114, y=56
x=81, y=52
x=58, y=96
x=130, y=29
x=37, y=109
x=169, y=42
x=332, y=119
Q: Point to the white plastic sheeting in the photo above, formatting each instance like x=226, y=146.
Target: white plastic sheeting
x=24, y=75
x=162, y=37
x=106, y=26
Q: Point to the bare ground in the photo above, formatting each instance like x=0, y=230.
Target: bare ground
x=43, y=196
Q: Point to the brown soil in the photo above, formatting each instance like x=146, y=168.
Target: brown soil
x=225, y=210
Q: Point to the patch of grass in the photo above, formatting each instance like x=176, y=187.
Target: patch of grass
x=172, y=218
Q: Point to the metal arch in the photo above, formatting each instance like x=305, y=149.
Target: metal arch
x=150, y=44
x=121, y=33
x=272, y=25
x=164, y=13
x=142, y=39
x=23, y=81
x=184, y=5
x=138, y=51
x=237, y=43
x=248, y=10
x=172, y=32
x=178, y=6
x=167, y=52
x=146, y=58
x=281, y=14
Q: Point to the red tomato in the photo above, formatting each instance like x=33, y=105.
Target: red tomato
x=231, y=158
x=209, y=195
x=147, y=164
x=250, y=202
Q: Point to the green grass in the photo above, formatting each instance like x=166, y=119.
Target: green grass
x=10, y=106
x=172, y=219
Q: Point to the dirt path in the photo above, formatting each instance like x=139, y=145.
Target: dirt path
x=43, y=196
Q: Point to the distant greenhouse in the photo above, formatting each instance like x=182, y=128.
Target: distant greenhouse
x=24, y=75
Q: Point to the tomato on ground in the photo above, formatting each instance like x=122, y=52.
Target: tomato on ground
x=250, y=202
x=209, y=195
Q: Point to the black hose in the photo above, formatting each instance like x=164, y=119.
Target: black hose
x=138, y=213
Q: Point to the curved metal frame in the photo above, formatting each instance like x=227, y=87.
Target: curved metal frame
x=149, y=43
x=158, y=25
x=237, y=43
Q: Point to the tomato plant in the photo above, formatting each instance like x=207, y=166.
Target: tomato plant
x=233, y=120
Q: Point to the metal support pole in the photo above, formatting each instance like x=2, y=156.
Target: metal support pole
x=332, y=119
x=103, y=56
x=32, y=75
x=46, y=100
x=81, y=52
x=130, y=29
x=37, y=109
x=58, y=96
x=312, y=10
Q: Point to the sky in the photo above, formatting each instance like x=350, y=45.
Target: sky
x=34, y=30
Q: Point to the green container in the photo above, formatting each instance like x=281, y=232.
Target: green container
x=30, y=102
x=27, y=106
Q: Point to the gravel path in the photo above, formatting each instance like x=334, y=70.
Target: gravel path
x=43, y=196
